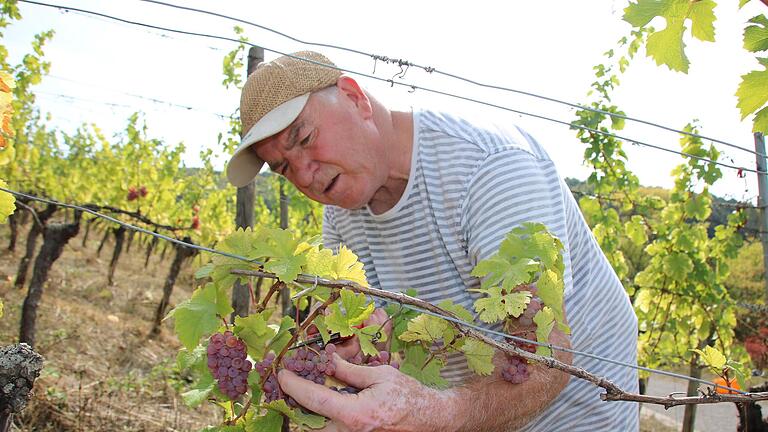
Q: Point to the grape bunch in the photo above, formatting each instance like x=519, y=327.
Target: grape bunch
x=271, y=387
x=311, y=364
x=228, y=364
x=515, y=370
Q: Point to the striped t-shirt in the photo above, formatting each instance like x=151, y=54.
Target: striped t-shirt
x=471, y=183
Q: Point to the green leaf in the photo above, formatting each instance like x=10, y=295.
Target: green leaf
x=414, y=365
x=551, y=291
x=756, y=36
x=283, y=334
x=356, y=309
x=761, y=121
x=425, y=328
x=491, y=309
x=666, y=47
x=346, y=267
x=545, y=321
x=678, y=266
x=458, y=310
x=479, y=356
x=365, y=336
x=272, y=421
x=199, y=393
x=515, y=303
x=712, y=357
x=301, y=419
x=197, y=316
x=753, y=91
x=255, y=332
x=7, y=203
x=635, y=230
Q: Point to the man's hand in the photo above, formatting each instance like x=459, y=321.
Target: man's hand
x=351, y=348
x=389, y=400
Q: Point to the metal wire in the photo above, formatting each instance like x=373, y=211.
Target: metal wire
x=454, y=76
x=457, y=321
x=410, y=86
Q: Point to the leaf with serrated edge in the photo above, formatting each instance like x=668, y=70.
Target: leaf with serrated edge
x=550, y=289
x=413, y=366
x=356, y=309
x=255, y=332
x=515, y=303
x=199, y=393
x=545, y=321
x=490, y=309
x=196, y=317
x=299, y=418
x=712, y=357
x=425, y=328
x=272, y=421
x=756, y=36
x=347, y=267
x=479, y=356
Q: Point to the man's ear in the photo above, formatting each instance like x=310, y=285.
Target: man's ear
x=350, y=90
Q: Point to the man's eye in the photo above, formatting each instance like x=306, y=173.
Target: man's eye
x=305, y=141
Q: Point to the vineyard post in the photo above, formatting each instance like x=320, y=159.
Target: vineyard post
x=245, y=207
x=762, y=184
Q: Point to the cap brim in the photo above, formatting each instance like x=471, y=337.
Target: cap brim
x=244, y=165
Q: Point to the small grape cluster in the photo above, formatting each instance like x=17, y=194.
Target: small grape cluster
x=515, y=370
x=382, y=358
x=228, y=363
x=271, y=387
x=312, y=365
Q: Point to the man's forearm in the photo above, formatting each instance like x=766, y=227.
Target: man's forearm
x=494, y=405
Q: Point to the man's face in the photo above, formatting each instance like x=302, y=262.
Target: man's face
x=330, y=151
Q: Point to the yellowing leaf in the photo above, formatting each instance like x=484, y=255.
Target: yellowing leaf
x=7, y=203
x=479, y=356
x=545, y=321
x=347, y=267
x=425, y=328
x=712, y=357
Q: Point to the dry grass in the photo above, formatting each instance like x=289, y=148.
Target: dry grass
x=102, y=371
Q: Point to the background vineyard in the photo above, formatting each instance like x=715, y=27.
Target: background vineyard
x=110, y=368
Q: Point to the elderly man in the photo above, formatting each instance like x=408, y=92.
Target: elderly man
x=421, y=197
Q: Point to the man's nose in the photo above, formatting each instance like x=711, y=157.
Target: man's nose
x=303, y=172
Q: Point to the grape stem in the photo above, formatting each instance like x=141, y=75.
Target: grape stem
x=272, y=290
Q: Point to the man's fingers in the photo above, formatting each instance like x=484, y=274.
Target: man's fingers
x=314, y=397
x=330, y=426
x=360, y=377
x=349, y=348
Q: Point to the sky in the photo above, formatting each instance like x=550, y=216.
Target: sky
x=102, y=71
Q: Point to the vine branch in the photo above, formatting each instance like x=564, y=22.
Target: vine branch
x=613, y=392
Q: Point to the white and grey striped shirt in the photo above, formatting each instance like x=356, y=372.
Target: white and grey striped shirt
x=470, y=184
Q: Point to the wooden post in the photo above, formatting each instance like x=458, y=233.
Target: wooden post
x=762, y=201
x=245, y=215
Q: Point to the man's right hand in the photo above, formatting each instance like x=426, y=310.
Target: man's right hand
x=350, y=348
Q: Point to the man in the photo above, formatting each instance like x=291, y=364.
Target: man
x=422, y=197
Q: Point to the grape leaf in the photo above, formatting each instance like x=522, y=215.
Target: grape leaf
x=400, y=319
x=550, y=289
x=712, y=357
x=458, y=310
x=199, y=392
x=414, y=365
x=490, y=308
x=347, y=267
x=285, y=252
x=282, y=335
x=7, y=203
x=666, y=46
x=255, y=332
x=752, y=93
x=516, y=302
x=479, y=356
x=425, y=328
x=297, y=416
x=254, y=384
x=677, y=266
x=761, y=121
x=365, y=336
x=356, y=309
x=756, y=36
x=635, y=230
x=272, y=421
x=545, y=320
x=196, y=316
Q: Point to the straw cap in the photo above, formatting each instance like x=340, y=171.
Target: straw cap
x=273, y=96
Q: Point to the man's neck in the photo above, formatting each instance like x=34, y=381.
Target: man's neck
x=399, y=142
